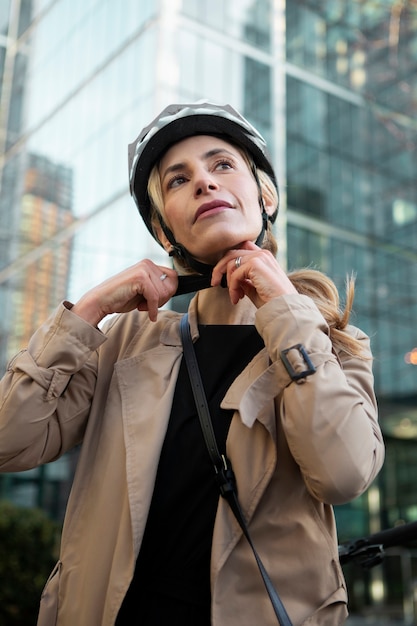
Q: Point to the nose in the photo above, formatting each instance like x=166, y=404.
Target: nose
x=204, y=184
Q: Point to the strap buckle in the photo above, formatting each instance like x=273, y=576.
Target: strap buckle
x=225, y=478
x=298, y=375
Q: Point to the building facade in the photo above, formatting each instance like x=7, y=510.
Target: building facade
x=331, y=85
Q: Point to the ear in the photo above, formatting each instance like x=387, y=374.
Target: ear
x=270, y=195
x=270, y=202
x=167, y=245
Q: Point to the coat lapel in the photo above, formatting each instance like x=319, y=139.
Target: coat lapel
x=147, y=384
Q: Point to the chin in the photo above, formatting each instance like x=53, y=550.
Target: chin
x=211, y=254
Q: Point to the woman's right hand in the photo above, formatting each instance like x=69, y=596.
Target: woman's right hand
x=143, y=286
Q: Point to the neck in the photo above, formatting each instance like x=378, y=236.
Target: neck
x=214, y=307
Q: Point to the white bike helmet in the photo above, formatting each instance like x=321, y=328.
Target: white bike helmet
x=177, y=122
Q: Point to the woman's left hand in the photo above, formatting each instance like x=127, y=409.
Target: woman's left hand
x=253, y=272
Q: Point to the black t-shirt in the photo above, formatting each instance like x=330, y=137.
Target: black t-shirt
x=171, y=584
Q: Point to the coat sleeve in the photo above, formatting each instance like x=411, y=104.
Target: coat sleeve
x=46, y=392
x=329, y=418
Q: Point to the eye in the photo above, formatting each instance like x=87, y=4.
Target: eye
x=224, y=164
x=176, y=181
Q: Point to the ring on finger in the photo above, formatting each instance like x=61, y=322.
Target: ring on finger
x=238, y=261
x=163, y=276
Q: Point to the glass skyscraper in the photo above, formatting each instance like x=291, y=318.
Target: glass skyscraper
x=333, y=88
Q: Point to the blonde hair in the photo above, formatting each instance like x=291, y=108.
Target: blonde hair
x=322, y=290
x=313, y=283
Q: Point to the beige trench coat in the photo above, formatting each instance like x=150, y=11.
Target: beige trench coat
x=296, y=449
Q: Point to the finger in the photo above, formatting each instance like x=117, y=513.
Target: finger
x=237, y=276
x=150, y=300
x=168, y=284
x=250, y=275
x=222, y=266
x=158, y=289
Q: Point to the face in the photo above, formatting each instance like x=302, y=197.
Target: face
x=211, y=199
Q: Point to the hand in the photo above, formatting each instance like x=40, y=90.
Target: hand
x=258, y=276
x=141, y=286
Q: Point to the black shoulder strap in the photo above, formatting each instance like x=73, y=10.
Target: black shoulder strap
x=222, y=467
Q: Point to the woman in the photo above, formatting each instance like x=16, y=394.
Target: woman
x=146, y=538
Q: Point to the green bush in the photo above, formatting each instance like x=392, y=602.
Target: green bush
x=28, y=551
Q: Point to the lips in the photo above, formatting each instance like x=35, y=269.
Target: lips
x=209, y=206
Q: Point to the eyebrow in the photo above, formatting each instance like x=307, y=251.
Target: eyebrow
x=207, y=155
